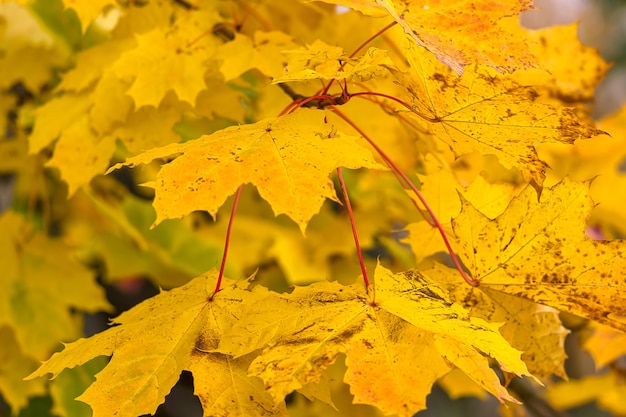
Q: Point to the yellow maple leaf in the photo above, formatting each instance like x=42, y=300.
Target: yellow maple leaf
x=442, y=190
x=534, y=329
x=54, y=117
x=603, y=343
x=607, y=390
x=161, y=337
x=177, y=59
x=264, y=52
x=111, y=106
x=570, y=71
x=221, y=100
x=92, y=63
x=538, y=250
x=29, y=51
x=80, y=155
x=464, y=32
x=601, y=158
x=287, y=158
x=149, y=127
x=457, y=385
x=486, y=112
x=395, y=340
x=88, y=124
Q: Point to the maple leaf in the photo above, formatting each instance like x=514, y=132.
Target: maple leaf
x=604, y=344
x=177, y=58
x=442, y=190
x=607, y=390
x=557, y=47
x=395, y=341
x=161, y=337
x=29, y=50
x=485, y=112
x=287, y=158
x=54, y=117
x=80, y=155
x=263, y=53
x=534, y=329
x=464, y=32
x=600, y=158
x=538, y=250
x=92, y=63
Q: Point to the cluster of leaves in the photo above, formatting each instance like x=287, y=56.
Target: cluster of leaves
x=254, y=105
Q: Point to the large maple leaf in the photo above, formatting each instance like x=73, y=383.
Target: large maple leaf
x=538, y=250
x=155, y=341
x=287, y=158
x=486, y=112
x=398, y=341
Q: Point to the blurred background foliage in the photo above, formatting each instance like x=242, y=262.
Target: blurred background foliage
x=602, y=25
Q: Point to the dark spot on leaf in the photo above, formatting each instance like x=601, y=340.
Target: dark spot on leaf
x=205, y=343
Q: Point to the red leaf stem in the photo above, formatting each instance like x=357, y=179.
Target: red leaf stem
x=227, y=242
x=346, y=198
x=419, y=195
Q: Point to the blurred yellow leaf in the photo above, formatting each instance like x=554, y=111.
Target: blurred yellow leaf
x=14, y=365
x=176, y=57
x=43, y=283
x=264, y=52
x=87, y=11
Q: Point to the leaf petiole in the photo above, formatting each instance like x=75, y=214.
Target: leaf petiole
x=227, y=242
x=471, y=281
x=346, y=198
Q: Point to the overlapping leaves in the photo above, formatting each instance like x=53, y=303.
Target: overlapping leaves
x=399, y=340
x=482, y=111
x=165, y=64
x=533, y=251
